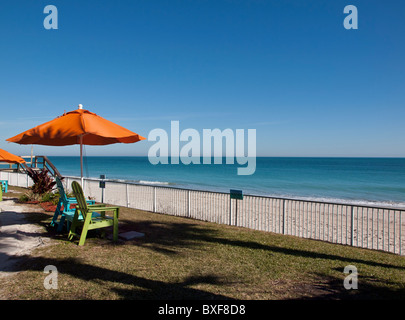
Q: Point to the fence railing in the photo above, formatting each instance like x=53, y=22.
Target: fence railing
x=372, y=227
x=16, y=179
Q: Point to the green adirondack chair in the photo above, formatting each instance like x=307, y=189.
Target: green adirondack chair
x=66, y=203
x=91, y=216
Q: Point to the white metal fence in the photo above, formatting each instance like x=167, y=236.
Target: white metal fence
x=16, y=179
x=380, y=228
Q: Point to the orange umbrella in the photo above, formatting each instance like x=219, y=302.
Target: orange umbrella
x=77, y=127
x=9, y=157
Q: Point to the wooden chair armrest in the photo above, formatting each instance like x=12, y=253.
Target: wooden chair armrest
x=102, y=208
x=96, y=205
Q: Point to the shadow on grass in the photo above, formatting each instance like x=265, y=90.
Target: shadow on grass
x=332, y=288
x=172, y=237
x=305, y=253
x=167, y=237
x=139, y=287
x=142, y=288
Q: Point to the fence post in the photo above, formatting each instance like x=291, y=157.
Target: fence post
x=230, y=210
x=188, y=204
x=283, y=216
x=236, y=212
x=400, y=232
x=127, y=194
x=154, y=199
x=352, y=225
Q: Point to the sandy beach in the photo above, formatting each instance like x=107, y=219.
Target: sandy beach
x=17, y=236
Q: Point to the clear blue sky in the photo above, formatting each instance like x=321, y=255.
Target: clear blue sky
x=288, y=69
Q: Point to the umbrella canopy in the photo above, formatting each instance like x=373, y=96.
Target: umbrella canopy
x=72, y=126
x=9, y=157
x=77, y=127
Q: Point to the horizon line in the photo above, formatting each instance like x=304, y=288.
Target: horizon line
x=279, y=156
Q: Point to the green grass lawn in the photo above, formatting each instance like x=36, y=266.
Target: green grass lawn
x=180, y=258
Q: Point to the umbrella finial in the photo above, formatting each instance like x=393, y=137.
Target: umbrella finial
x=80, y=106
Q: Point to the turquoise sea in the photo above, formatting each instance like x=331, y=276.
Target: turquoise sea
x=360, y=180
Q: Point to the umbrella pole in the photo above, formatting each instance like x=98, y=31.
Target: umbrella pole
x=81, y=160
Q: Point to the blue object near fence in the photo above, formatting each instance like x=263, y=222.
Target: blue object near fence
x=4, y=184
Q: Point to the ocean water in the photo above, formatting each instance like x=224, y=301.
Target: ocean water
x=359, y=180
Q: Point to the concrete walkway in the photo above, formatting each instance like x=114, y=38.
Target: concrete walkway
x=17, y=236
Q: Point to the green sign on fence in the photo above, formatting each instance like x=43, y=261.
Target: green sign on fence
x=236, y=194
x=102, y=183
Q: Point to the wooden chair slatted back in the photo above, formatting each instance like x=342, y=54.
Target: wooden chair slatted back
x=81, y=201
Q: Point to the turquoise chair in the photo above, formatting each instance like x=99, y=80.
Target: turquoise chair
x=4, y=184
x=67, y=210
